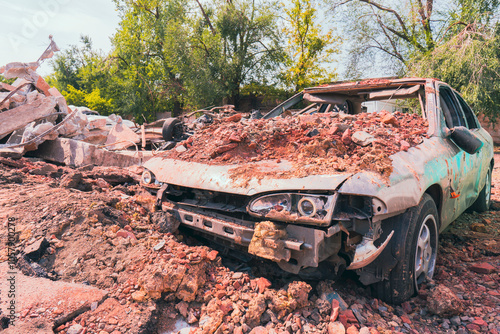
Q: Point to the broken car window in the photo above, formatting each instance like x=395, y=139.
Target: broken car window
x=469, y=115
x=452, y=112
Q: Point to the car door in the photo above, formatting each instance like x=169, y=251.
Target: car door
x=463, y=167
x=481, y=161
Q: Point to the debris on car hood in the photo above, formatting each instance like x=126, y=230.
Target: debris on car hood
x=315, y=144
x=230, y=178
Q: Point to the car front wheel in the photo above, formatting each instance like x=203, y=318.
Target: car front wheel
x=414, y=246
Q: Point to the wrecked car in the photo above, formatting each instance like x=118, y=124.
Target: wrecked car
x=360, y=176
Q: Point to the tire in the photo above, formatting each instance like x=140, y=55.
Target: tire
x=483, y=201
x=414, y=246
x=168, y=128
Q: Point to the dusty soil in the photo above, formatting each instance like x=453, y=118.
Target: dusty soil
x=101, y=230
x=315, y=144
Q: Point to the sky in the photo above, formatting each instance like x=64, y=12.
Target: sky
x=27, y=24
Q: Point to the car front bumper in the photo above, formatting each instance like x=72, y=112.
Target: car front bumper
x=299, y=247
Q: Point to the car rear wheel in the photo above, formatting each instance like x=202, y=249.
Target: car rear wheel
x=483, y=201
x=414, y=246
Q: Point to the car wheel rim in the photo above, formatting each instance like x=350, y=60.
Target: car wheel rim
x=425, y=255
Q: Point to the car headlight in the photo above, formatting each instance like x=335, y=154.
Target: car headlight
x=265, y=204
x=308, y=206
x=291, y=207
x=147, y=177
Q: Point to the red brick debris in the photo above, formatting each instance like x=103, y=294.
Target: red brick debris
x=160, y=279
x=319, y=143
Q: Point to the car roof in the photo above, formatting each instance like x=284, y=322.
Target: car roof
x=347, y=87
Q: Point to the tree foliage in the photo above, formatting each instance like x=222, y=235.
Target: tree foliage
x=141, y=61
x=79, y=76
x=174, y=54
x=232, y=44
x=469, y=62
x=308, y=49
x=169, y=54
x=392, y=33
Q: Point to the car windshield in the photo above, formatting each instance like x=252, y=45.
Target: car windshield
x=407, y=99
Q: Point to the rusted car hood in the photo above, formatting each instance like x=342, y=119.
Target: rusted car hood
x=222, y=177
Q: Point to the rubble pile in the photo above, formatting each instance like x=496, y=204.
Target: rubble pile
x=145, y=279
x=29, y=107
x=315, y=144
x=92, y=254
x=32, y=112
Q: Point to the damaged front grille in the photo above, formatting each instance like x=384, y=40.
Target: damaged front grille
x=227, y=204
x=235, y=206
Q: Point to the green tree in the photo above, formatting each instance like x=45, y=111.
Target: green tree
x=170, y=54
x=308, y=49
x=179, y=53
x=469, y=62
x=79, y=76
x=68, y=63
x=93, y=100
x=232, y=43
x=142, y=64
x=392, y=33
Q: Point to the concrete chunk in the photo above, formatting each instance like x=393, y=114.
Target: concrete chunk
x=96, y=137
x=19, y=117
x=4, y=87
x=32, y=96
x=19, y=82
x=41, y=84
x=15, y=153
x=61, y=101
x=36, y=249
x=63, y=301
x=121, y=137
x=20, y=70
x=99, y=123
x=362, y=138
x=77, y=153
x=74, y=126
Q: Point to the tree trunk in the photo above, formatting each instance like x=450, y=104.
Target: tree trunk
x=234, y=99
x=177, y=108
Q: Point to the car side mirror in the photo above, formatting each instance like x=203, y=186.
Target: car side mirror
x=465, y=139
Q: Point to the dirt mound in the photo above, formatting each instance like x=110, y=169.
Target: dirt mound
x=315, y=144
